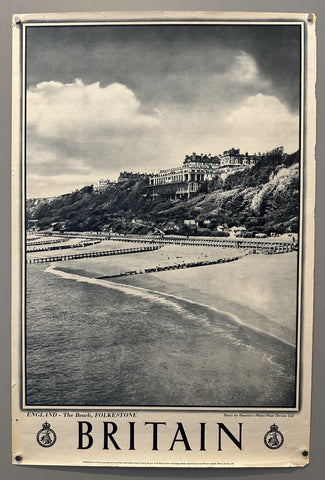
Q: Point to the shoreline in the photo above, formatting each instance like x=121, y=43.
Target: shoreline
x=119, y=286
x=277, y=319
x=259, y=290
x=141, y=347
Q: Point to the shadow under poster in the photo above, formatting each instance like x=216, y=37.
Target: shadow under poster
x=163, y=236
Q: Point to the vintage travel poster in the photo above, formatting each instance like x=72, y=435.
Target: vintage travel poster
x=163, y=236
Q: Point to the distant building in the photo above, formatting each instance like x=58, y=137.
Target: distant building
x=125, y=176
x=202, y=159
x=237, y=231
x=233, y=158
x=103, y=184
x=190, y=223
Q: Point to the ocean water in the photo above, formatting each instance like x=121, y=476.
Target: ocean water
x=94, y=342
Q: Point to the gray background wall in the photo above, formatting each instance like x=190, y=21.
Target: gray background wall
x=7, y=7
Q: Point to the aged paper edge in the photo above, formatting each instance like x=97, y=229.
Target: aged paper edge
x=308, y=177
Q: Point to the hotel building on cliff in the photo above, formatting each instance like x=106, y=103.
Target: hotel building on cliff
x=184, y=181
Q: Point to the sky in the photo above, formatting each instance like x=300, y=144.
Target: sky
x=104, y=99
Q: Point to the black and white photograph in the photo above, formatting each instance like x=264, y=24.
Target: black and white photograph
x=163, y=220
x=162, y=215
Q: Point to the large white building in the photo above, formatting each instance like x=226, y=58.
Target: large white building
x=184, y=181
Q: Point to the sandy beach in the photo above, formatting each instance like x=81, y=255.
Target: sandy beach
x=166, y=255
x=259, y=289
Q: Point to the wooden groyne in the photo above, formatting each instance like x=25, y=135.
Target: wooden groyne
x=46, y=242
x=63, y=247
x=176, y=266
x=104, y=253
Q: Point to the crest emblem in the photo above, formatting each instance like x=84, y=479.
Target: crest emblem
x=273, y=438
x=46, y=437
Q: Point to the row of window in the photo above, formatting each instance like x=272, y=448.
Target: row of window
x=197, y=177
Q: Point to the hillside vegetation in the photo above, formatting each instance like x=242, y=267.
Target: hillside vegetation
x=264, y=198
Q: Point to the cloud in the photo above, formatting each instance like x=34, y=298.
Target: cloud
x=257, y=123
x=84, y=131
x=39, y=186
x=156, y=54
x=244, y=68
x=85, y=111
x=221, y=80
x=262, y=122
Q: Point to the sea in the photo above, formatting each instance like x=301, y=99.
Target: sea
x=91, y=342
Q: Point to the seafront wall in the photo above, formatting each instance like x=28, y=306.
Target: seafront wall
x=265, y=247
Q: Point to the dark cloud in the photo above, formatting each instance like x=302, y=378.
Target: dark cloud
x=166, y=63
